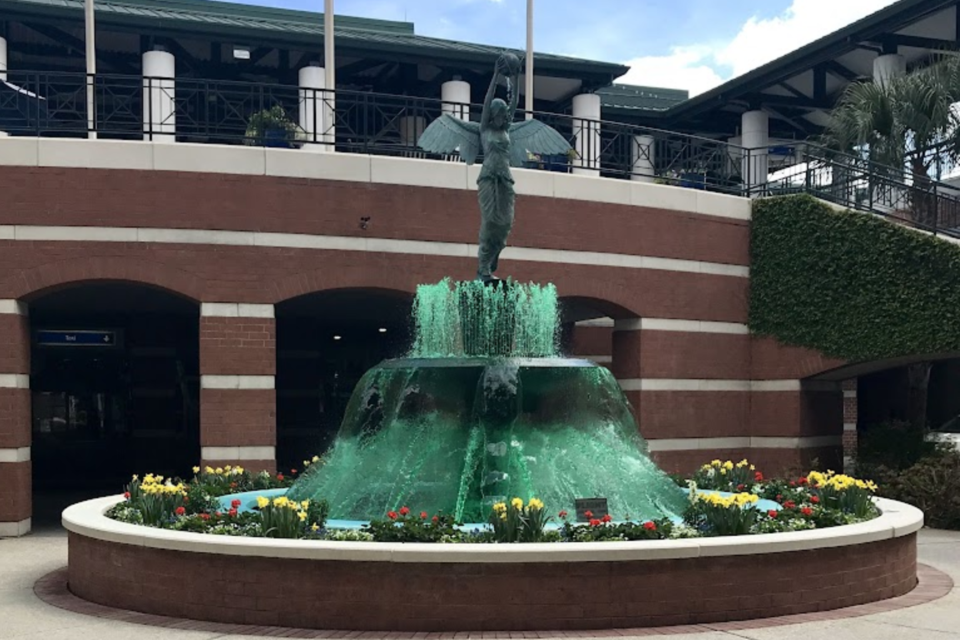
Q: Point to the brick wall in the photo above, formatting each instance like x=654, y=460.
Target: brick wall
x=386, y=596
x=238, y=346
x=269, y=275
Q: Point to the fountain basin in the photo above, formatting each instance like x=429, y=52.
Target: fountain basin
x=467, y=587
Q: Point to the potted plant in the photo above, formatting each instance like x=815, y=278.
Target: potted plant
x=272, y=128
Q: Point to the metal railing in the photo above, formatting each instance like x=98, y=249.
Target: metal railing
x=857, y=183
x=219, y=111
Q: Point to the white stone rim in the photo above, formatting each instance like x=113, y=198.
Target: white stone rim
x=87, y=519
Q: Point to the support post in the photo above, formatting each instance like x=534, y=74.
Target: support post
x=159, y=96
x=312, y=81
x=586, y=130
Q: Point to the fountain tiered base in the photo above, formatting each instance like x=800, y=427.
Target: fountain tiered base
x=484, y=410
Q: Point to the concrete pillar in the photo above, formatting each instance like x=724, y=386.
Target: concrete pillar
x=755, y=132
x=455, y=95
x=586, y=131
x=888, y=66
x=644, y=160
x=159, y=92
x=15, y=433
x=238, y=398
x=312, y=82
x=3, y=58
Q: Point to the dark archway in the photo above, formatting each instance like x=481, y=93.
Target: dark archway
x=586, y=340
x=114, y=386
x=326, y=341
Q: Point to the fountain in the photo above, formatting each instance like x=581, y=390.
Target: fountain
x=482, y=410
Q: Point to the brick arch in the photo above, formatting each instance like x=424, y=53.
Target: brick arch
x=389, y=281
x=617, y=302
x=33, y=283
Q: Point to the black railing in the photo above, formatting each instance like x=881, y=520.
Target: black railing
x=857, y=183
x=219, y=111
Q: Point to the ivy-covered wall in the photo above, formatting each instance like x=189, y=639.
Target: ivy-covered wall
x=851, y=285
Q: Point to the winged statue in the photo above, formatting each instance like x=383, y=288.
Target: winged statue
x=504, y=144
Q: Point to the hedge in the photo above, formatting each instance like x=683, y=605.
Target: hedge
x=851, y=285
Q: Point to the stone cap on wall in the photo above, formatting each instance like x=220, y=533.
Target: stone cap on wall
x=87, y=519
x=350, y=167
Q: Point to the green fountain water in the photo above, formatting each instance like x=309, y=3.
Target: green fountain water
x=483, y=410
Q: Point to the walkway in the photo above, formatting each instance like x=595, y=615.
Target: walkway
x=25, y=616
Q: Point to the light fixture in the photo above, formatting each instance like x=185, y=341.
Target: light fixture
x=383, y=329
x=336, y=337
x=241, y=53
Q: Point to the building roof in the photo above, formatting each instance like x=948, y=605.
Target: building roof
x=626, y=97
x=800, y=88
x=267, y=25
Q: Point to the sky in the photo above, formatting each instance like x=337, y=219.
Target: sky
x=681, y=44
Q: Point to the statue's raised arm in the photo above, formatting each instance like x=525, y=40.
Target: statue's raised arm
x=504, y=144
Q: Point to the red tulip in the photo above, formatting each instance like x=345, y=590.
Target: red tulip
x=392, y=515
x=179, y=511
x=404, y=511
x=650, y=526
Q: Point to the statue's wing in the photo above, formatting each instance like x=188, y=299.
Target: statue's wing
x=447, y=134
x=534, y=136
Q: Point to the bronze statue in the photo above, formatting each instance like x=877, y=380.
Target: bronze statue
x=504, y=144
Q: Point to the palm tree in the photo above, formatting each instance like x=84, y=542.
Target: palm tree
x=906, y=123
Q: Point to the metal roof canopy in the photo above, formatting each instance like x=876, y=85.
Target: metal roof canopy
x=358, y=39
x=799, y=89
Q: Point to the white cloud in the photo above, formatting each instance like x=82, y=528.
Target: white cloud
x=682, y=68
x=701, y=67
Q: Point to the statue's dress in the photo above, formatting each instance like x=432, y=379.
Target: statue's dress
x=497, y=198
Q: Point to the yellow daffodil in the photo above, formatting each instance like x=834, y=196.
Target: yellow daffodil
x=314, y=527
x=535, y=504
x=302, y=515
x=262, y=502
x=196, y=470
x=517, y=503
x=316, y=459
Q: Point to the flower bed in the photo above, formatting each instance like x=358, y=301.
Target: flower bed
x=723, y=502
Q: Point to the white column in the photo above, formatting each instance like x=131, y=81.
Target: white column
x=90, y=37
x=411, y=127
x=455, y=95
x=3, y=58
x=586, y=130
x=330, y=68
x=312, y=81
x=755, y=131
x=644, y=161
x=159, y=104
x=888, y=66
x=528, y=76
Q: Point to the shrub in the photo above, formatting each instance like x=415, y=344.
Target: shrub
x=933, y=486
x=893, y=445
x=716, y=515
x=844, y=493
x=727, y=476
x=516, y=522
x=601, y=531
x=402, y=526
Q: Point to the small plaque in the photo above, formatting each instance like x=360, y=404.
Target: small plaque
x=596, y=506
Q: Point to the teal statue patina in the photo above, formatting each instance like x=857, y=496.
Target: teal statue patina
x=504, y=143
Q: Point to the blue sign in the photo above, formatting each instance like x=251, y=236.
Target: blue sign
x=53, y=338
